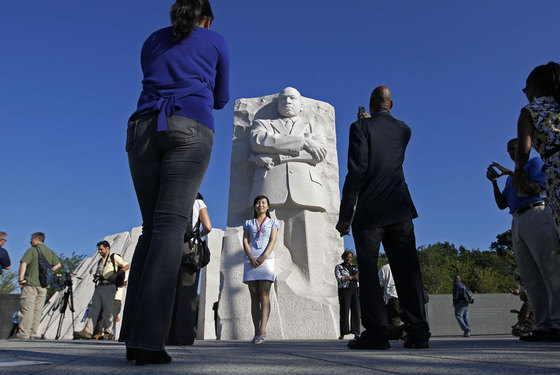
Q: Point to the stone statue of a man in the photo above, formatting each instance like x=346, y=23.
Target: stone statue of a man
x=286, y=152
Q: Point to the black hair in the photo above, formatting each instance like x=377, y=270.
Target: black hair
x=547, y=78
x=199, y=196
x=345, y=254
x=512, y=140
x=258, y=198
x=105, y=244
x=186, y=15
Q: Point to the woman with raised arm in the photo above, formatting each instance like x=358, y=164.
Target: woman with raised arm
x=259, y=237
x=169, y=140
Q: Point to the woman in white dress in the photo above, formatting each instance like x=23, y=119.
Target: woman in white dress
x=259, y=236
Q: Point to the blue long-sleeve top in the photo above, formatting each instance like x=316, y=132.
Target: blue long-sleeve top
x=189, y=78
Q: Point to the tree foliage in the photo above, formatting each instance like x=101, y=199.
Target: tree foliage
x=489, y=271
x=482, y=271
x=9, y=282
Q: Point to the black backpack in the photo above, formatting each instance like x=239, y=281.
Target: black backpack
x=46, y=274
x=468, y=295
x=119, y=281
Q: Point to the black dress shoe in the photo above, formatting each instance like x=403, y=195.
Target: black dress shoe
x=159, y=357
x=412, y=344
x=360, y=343
x=538, y=335
x=130, y=354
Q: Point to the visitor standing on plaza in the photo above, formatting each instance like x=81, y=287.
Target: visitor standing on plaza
x=461, y=305
x=184, y=319
x=377, y=204
x=259, y=237
x=535, y=241
x=33, y=294
x=169, y=141
x=538, y=127
x=347, y=278
x=109, y=268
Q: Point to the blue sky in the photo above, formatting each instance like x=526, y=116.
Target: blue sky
x=71, y=77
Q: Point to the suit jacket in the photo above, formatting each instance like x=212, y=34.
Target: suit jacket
x=294, y=171
x=375, y=183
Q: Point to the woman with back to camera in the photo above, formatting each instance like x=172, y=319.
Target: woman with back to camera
x=259, y=237
x=536, y=249
x=169, y=141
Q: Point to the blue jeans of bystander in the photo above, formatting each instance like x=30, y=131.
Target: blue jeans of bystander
x=462, y=315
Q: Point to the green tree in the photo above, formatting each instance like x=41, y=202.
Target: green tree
x=67, y=264
x=436, y=265
x=9, y=282
x=71, y=263
x=503, y=246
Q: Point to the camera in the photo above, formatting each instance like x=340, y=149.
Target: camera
x=97, y=277
x=62, y=281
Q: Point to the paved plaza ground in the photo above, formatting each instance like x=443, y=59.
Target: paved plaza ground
x=474, y=355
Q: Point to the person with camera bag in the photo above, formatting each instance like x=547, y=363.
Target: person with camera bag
x=33, y=292
x=184, y=319
x=110, y=271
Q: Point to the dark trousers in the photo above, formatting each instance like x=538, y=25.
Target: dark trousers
x=400, y=247
x=184, y=312
x=167, y=169
x=348, y=300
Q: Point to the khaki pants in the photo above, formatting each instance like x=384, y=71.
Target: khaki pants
x=101, y=302
x=31, y=305
x=535, y=243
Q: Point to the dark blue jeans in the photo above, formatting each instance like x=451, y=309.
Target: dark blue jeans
x=167, y=169
x=462, y=315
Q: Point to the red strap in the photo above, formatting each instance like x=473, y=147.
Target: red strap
x=260, y=226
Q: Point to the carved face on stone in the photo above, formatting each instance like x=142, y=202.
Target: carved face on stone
x=289, y=102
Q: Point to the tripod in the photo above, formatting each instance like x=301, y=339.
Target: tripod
x=66, y=300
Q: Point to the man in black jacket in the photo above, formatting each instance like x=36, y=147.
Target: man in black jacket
x=378, y=206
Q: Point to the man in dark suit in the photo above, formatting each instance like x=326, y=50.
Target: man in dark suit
x=376, y=202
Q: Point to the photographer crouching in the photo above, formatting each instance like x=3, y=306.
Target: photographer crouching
x=110, y=273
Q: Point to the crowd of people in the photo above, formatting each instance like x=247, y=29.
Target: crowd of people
x=169, y=141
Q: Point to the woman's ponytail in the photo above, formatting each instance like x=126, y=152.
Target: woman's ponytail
x=186, y=15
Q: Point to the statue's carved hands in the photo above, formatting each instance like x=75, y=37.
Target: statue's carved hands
x=262, y=161
x=315, y=149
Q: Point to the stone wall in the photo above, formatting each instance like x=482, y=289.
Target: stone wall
x=9, y=304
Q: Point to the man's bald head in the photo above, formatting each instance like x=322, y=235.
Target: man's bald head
x=380, y=99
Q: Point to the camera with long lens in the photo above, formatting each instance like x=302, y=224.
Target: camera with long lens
x=62, y=281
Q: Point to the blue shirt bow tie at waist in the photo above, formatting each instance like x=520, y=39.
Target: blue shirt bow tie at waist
x=166, y=101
